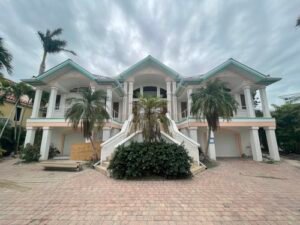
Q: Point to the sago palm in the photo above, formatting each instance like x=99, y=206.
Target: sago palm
x=213, y=102
x=149, y=114
x=5, y=58
x=88, y=112
x=52, y=45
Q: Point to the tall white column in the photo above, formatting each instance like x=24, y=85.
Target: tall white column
x=51, y=102
x=125, y=101
x=36, y=103
x=158, y=92
x=194, y=133
x=130, y=97
x=212, y=147
x=249, y=102
x=109, y=102
x=45, y=144
x=189, y=101
x=30, y=135
x=264, y=102
x=272, y=143
x=255, y=144
x=174, y=100
x=169, y=98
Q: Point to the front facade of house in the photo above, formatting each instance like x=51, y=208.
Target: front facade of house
x=149, y=77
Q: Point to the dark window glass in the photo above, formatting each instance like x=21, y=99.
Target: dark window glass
x=243, y=101
x=150, y=91
x=183, y=109
x=57, y=101
x=115, y=109
x=137, y=93
x=18, y=114
x=163, y=93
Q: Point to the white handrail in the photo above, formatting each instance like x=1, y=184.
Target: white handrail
x=109, y=146
x=190, y=145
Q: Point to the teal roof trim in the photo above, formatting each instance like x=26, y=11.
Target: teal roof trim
x=68, y=62
x=252, y=73
x=149, y=59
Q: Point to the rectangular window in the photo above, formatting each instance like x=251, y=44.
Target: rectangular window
x=116, y=110
x=18, y=113
x=183, y=109
x=243, y=101
x=57, y=102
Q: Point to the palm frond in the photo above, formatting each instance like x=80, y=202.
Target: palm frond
x=56, y=32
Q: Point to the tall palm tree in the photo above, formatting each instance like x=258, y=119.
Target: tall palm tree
x=5, y=58
x=298, y=22
x=212, y=102
x=52, y=45
x=88, y=112
x=148, y=115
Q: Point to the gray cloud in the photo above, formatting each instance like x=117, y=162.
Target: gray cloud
x=190, y=36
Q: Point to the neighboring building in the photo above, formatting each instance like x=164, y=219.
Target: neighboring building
x=24, y=109
x=291, y=98
x=150, y=77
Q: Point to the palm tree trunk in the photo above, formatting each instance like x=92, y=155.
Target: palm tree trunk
x=208, y=140
x=43, y=63
x=6, y=122
x=95, y=156
x=20, y=128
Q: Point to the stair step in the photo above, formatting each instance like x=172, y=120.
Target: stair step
x=103, y=170
x=196, y=169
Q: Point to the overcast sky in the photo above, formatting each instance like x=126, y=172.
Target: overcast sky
x=192, y=37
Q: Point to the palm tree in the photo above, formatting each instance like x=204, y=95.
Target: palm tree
x=5, y=58
x=212, y=102
x=88, y=112
x=148, y=115
x=52, y=45
x=298, y=22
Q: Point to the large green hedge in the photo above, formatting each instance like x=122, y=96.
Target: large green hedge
x=147, y=159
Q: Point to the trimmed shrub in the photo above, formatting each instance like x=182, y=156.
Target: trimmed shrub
x=30, y=153
x=147, y=159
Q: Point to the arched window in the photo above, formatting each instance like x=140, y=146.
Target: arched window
x=150, y=91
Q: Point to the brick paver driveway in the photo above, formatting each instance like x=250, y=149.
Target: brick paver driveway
x=235, y=192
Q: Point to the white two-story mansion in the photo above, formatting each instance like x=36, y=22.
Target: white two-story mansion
x=150, y=77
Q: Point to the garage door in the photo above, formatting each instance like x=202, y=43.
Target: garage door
x=226, y=144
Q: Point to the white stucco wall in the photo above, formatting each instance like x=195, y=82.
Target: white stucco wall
x=70, y=139
x=245, y=141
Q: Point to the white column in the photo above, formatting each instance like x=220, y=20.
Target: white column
x=45, y=144
x=51, y=102
x=272, y=143
x=174, y=100
x=106, y=133
x=194, y=133
x=125, y=102
x=169, y=98
x=36, y=103
x=212, y=147
x=141, y=91
x=255, y=144
x=130, y=98
x=109, y=102
x=158, y=92
x=30, y=135
x=189, y=101
x=249, y=102
x=264, y=102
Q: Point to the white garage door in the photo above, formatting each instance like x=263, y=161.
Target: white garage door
x=70, y=139
x=226, y=145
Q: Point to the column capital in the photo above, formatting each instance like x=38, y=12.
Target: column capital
x=254, y=128
x=193, y=128
x=53, y=88
x=31, y=128
x=47, y=128
x=270, y=128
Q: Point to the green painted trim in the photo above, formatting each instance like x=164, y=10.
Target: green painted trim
x=33, y=82
x=68, y=62
x=125, y=74
x=232, y=119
